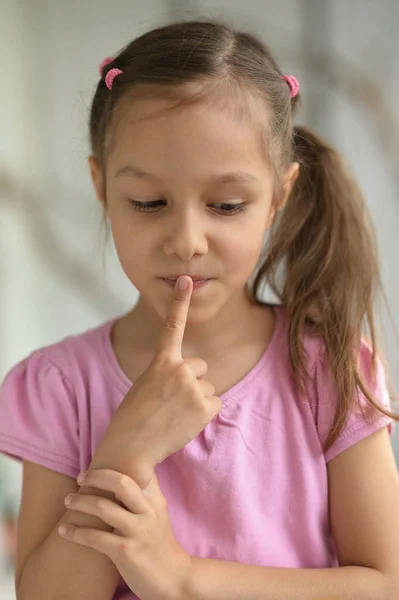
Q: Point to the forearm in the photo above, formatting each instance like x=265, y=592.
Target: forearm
x=139, y=467
x=217, y=580
x=60, y=569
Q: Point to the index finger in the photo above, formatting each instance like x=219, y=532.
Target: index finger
x=175, y=323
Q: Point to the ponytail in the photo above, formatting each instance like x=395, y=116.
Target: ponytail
x=325, y=235
x=324, y=232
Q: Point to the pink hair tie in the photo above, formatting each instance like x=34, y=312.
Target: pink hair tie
x=105, y=62
x=112, y=73
x=110, y=76
x=293, y=83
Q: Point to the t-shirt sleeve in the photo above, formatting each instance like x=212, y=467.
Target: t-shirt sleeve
x=38, y=415
x=364, y=418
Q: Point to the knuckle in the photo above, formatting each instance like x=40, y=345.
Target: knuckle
x=90, y=536
x=207, y=387
x=186, y=372
x=122, y=483
x=198, y=403
x=101, y=504
x=160, y=362
x=204, y=410
x=173, y=323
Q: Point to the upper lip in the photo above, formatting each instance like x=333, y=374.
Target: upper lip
x=193, y=277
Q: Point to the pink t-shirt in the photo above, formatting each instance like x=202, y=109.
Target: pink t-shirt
x=252, y=487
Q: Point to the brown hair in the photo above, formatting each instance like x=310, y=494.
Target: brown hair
x=324, y=232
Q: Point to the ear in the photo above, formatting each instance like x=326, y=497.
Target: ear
x=97, y=178
x=291, y=175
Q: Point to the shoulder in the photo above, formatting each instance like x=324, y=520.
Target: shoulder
x=363, y=418
x=318, y=363
x=67, y=356
x=77, y=349
x=322, y=396
x=44, y=401
x=57, y=376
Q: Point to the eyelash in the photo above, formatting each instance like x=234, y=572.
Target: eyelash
x=144, y=206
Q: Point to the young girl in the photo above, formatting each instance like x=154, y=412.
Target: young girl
x=234, y=449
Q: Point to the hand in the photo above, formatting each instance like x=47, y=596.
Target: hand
x=142, y=545
x=168, y=405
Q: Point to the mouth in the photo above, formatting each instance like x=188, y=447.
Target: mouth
x=193, y=277
x=197, y=283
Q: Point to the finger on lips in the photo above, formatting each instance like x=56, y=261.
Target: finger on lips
x=172, y=337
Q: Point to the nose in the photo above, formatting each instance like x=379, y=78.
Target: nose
x=185, y=234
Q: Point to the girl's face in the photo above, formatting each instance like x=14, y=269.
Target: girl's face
x=210, y=202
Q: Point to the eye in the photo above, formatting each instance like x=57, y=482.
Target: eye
x=147, y=206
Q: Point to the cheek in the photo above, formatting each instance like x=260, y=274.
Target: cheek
x=130, y=245
x=245, y=249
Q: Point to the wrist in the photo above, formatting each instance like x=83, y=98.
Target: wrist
x=137, y=468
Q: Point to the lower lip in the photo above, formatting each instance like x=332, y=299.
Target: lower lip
x=197, y=284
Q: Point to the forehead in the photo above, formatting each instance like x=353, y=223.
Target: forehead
x=155, y=129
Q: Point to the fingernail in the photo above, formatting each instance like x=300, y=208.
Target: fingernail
x=81, y=477
x=183, y=283
x=63, y=529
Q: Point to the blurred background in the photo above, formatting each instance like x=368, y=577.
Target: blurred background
x=57, y=276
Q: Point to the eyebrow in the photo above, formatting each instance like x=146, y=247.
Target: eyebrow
x=231, y=177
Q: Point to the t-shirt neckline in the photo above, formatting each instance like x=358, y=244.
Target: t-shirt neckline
x=121, y=380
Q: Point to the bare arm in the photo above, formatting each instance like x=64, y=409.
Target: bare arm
x=219, y=579
x=60, y=569
x=48, y=566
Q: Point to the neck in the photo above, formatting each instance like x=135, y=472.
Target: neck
x=232, y=323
